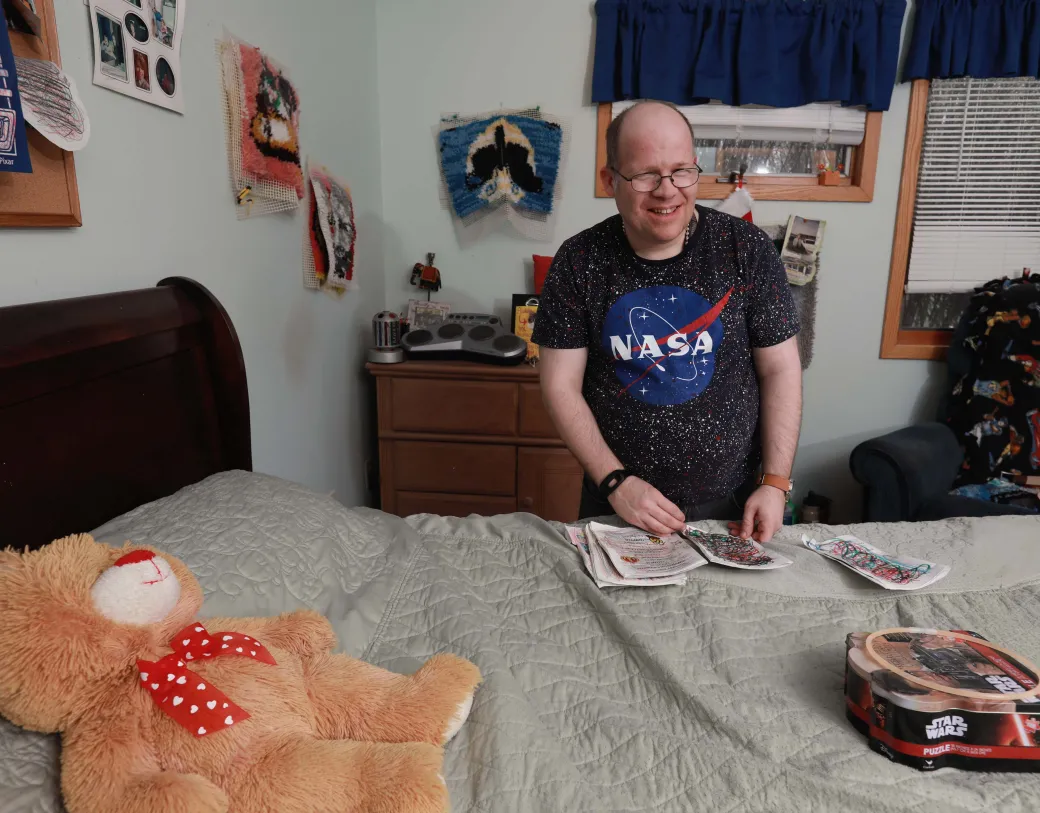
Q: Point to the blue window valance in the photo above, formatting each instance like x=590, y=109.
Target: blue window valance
x=782, y=53
x=986, y=39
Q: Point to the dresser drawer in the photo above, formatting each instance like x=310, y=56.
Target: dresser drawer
x=454, y=468
x=456, y=407
x=452, y=505
x=535, y=421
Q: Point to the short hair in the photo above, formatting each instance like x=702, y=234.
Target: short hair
x=614, y=129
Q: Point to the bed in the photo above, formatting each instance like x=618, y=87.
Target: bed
x=723, y=694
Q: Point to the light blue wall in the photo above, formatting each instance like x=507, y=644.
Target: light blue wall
x=373, y=78
x=156, y=202
x=474, y=55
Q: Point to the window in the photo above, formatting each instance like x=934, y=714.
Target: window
x=969, y=205
x=780, y=148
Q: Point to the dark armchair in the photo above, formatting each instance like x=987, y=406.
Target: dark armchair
x=907, y=476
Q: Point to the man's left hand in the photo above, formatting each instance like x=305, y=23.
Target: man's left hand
x=763, y=515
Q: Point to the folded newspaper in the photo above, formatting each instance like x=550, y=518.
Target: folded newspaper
x=617, y=557
x=891, y=572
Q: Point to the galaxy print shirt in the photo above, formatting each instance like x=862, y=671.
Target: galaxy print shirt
x=670, y=378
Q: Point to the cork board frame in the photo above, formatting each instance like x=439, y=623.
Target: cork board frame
x=49, y=196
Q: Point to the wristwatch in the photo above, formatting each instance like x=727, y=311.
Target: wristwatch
x=782, y=483
x=611, y=482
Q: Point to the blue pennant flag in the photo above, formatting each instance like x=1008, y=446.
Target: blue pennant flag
x=14, y=148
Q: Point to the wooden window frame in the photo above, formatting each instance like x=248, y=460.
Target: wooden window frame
x=898, y=342
x=858, y=187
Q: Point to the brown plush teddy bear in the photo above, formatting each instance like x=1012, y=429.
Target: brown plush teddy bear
x=161, y=712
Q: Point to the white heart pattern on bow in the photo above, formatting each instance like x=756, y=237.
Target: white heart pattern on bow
x=184, y=694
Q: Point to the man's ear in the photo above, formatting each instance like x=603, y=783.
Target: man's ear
x=606, y=176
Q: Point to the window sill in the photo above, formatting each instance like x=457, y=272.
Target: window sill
x=789, y=188
x=928, y=345
x=858, y=188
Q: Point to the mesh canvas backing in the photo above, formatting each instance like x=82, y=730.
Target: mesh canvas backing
x=534, y=223
x=263, y=196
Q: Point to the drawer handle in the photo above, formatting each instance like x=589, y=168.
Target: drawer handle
x=527, y=502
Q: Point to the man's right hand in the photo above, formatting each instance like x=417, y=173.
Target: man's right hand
x=640, y=504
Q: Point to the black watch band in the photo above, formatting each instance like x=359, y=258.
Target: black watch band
x=611, y=482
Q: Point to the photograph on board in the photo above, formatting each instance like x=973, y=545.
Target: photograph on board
x=142, y=74
x=803, y=240
x=137, y=27
x=164, y=20
x=164, y=76
x=111, y=48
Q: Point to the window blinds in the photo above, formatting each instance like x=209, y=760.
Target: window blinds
x=977, y=215
x=811, y=123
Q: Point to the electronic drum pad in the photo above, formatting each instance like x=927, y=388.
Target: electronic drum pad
x=466, y=337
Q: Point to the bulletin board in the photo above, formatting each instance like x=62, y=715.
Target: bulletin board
x=48, y=196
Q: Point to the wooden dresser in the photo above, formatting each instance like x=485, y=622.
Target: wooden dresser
x=460, y=438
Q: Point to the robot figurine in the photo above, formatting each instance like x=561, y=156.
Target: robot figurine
x=426, y=277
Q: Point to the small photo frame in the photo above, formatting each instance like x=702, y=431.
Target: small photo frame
x=799, y=273
x=164, y=20
x=142, y=73
x=136, y=27
x=423, y=314
x=525, y=310
x=164, y=76
x=803, y=240
x=112, y=47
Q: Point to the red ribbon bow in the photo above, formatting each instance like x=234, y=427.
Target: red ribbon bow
x=187, y=698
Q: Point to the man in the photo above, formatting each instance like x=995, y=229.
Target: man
x=669, y=360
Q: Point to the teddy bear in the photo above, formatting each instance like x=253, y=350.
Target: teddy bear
x=160, y=711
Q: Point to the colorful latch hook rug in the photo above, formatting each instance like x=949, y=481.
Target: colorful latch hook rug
x=329, y=234
x=503, y=161
x=262, y=124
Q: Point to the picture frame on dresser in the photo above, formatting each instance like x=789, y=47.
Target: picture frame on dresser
x=525, y=310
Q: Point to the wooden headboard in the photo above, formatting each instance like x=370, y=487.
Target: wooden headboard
x=110, y=401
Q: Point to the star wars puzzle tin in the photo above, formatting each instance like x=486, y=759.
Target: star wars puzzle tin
x=943, y=699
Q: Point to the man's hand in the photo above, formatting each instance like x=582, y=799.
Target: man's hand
x=640, y=504
x=763, y=515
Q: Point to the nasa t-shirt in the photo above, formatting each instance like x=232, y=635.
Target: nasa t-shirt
x=669, y=377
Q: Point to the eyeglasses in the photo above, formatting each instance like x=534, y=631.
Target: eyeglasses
x=649, y=181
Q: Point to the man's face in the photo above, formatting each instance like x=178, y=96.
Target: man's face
x=654, y=138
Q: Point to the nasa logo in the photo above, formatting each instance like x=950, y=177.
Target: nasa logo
x=663, y=341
